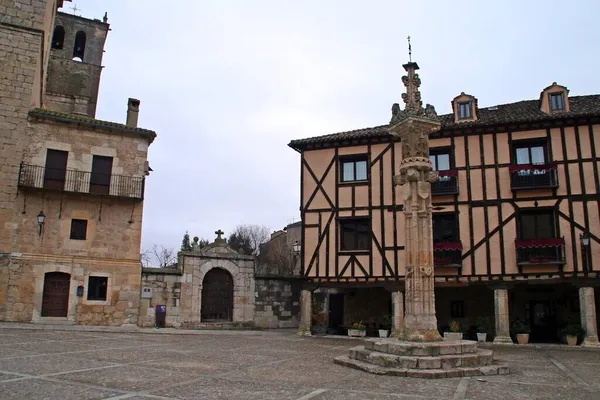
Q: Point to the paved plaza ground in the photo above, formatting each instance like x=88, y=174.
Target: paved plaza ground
x=38, y=364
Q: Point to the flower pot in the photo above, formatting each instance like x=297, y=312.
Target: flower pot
x=481, y=336
x=383, y=333
x=523, y=338
x=571, y=340
x=357, y=332
x=453, y=336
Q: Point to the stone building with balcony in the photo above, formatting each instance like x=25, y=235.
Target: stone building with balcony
x=71, y=185
x=515, y=225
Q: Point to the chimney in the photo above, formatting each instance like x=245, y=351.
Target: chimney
x=133, y=110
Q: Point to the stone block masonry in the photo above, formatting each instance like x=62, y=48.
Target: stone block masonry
x=277, y=302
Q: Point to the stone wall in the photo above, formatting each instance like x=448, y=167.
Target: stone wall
x=277, y=303
x=165, y=287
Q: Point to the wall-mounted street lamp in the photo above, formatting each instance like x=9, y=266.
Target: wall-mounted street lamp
x=585, y=239
x=585, y=245
x=296, y=247
x=41, y=219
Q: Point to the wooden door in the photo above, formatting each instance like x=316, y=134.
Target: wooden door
x=336, y=311
x=543, y=321
x=55, y=300
x=217, y=296
x=56, y=169
x=100, y=178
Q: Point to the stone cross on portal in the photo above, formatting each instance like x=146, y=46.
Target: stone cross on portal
x=75, y=9
x=219, y=233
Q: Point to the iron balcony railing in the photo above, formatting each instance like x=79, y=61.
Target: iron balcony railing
x=446, y=184
x=533, y=176
x=447, y=254
x=74, y=181
x=540, y=251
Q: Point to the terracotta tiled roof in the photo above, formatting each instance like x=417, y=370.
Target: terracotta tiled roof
x=91, y=122
x=519, y=112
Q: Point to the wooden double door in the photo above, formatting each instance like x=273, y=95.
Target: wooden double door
x=55, y=300
x=217, y=296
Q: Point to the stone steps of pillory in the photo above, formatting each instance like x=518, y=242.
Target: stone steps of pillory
x=422, y=373
x=427, y=360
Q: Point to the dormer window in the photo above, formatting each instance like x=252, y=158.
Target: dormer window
x=557, y=101
x=464, y=110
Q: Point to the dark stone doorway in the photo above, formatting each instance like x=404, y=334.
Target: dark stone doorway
x=55, y=300
x=217, y=296
x=336, y=312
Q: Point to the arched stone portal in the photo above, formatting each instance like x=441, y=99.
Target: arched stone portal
x=217, y=296
x=55, y=300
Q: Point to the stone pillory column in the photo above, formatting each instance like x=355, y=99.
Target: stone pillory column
x=502, y=316
x=413, y=126
x=587, y=305
x=398, y=313
x=305, y=312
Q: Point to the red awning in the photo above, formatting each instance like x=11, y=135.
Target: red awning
x=450, y=172
x=519, y=244
x=447, y=246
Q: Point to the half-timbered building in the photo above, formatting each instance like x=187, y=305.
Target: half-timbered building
x=516, y=224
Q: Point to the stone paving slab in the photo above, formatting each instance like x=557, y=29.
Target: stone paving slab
x=265, y=365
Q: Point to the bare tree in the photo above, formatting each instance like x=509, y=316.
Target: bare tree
x=158, y=256
x=249, y=238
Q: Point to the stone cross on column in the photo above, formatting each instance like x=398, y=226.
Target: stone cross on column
x=413, y=126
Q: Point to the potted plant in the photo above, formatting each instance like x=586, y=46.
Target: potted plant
x=358, y=329
x=319, y=322
x=386, y=325
x=572, y=332
x=454, y=333
x=522, y=332
x=482, y=324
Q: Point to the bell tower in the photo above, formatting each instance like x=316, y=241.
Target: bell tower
x=75, y=64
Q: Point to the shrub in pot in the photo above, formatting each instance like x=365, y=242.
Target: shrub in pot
x=482, y=326
x=522, y=332
x=386, y=326
x=358, y=329
x=572, y=332
x=454, y=333
x=319, y=322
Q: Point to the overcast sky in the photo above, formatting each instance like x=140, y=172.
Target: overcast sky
x=227, y=84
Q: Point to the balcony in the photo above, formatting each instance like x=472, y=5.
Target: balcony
x=447, y=254
x=540, y=252
x=533, y=176
x=447, y=183
x=82, y=182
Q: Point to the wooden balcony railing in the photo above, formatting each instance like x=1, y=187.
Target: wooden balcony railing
x=446, y=184
x=533, y=176
x=540, y=251
x=73, y=181
x=447, y=254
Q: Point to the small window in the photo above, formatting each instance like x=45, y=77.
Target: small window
x=440, y=159
x=97, y=287
x=58, y=38
x=537, y=224
x=531, y=153
x=445, y=228
x=354, y=169
x=557, y=101
x=78, y=229
x=79, y=48
x=355, y=234
x=464, y=110
x=457, y=309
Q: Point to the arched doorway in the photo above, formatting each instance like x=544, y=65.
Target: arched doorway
x=55, y=301
x=217, y=296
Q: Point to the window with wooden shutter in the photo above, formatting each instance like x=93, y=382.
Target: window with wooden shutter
x=56, y=169
x=100, y=177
